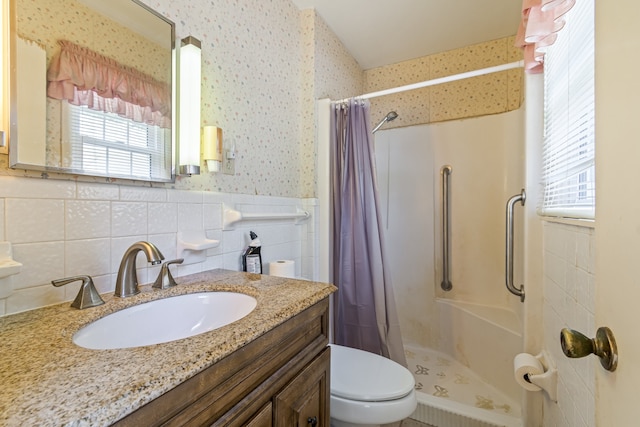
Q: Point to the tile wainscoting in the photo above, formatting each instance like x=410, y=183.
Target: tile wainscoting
x=65, y=228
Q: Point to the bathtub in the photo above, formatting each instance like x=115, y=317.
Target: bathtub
x=484, y=338
x=477, y=342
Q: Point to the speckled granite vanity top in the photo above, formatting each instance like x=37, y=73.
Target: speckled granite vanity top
x=46, y=380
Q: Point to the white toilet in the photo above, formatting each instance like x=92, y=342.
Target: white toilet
x=368, y=389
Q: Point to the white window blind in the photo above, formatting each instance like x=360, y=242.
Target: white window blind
x=568, y=158
x=109, y=145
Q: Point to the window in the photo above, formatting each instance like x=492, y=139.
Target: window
x=106, y=144
x=568, y=158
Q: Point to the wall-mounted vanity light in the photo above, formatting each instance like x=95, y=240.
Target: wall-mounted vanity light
x=212, y=147
x=189, y=75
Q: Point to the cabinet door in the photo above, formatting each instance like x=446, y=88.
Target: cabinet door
x=305, y=400
x=263, y=418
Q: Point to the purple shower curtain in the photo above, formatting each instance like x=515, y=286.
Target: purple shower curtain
x=365, y=314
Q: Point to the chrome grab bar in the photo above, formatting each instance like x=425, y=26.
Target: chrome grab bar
x=445, y=172
x=509, y=247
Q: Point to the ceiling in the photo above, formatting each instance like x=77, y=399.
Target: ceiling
x=379, y=32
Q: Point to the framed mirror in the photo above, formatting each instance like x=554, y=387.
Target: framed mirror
x=91, y=89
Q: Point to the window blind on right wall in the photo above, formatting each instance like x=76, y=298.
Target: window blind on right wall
x=568, y=157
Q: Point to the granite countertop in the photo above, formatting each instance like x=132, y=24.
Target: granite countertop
x=47, y=380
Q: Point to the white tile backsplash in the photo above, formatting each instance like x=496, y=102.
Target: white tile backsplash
x=41, y=263
x=213, y=262
x=128, y=218
x=144, y=194
x=214, y=235
x=569, y=302
x=90, y=256
x=65, y=228
x=104, y=284
x=184, y=196
x=163, y=218
x=87, y=219
x=212, y=216
x=34, y=220
x=34, y=188
x=29, y=298
x=166, y=243
x=91, y=191
x=190, y=216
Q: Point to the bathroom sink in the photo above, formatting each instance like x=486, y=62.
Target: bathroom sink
x=165, y=320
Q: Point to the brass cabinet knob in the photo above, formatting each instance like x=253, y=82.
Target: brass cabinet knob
x=575, y=344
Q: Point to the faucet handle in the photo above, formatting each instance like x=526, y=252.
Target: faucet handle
x=165, y=279
x=87, y=297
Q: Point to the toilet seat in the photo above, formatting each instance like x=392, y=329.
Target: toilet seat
x=366, y=377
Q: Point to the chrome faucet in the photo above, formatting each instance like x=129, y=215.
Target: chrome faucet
x=127, y=280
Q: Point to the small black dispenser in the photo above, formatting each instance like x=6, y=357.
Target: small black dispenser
x=251, y=258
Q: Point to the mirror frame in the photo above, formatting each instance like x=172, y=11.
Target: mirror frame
x=13, y=137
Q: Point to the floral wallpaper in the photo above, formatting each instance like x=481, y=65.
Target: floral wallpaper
x=330, y=72
x=261, y=76
x=478, y=96
x=251, y=89
x=264, y=65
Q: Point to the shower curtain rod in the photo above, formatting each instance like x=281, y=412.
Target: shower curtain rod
x=440, y=80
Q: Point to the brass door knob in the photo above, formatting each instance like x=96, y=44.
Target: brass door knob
x=574, y=344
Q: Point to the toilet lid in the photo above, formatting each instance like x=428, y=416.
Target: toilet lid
x=360, y=375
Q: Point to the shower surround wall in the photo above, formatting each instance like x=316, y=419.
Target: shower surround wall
x=408, y=161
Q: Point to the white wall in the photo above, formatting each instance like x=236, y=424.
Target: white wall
x=617, y=208
x=63, y=228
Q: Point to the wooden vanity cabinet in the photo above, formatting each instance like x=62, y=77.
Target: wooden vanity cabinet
x=280, y=379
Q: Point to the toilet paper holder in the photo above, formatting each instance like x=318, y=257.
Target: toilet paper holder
x=548, y=380
x=575, y=344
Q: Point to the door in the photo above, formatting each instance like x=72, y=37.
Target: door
x=305, y=400
x=618, y=206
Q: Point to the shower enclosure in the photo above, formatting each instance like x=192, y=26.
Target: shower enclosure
x=477, y=322
x=461, y=341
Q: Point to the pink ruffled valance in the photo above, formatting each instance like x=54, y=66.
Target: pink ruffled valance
x=84, y=77
x=541, y=21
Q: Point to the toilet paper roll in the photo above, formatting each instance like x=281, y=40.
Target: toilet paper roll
x=524, y=364
x=282, y=268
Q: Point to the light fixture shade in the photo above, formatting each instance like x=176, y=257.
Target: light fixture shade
x=212, y=147
x=190, y=74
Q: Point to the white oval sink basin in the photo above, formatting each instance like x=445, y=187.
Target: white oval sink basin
x=165, y=320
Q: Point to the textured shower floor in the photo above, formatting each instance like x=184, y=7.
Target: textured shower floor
x=459, y=390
